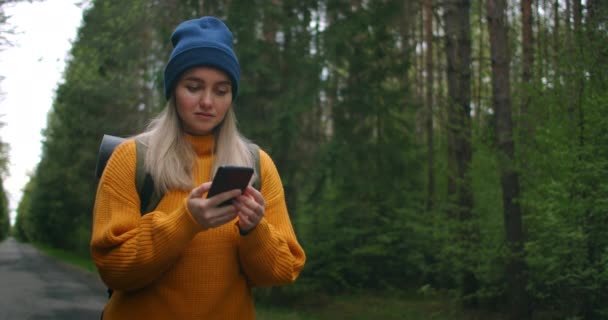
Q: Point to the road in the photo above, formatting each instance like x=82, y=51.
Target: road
x=35, y=286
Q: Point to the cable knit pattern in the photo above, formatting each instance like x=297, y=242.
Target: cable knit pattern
x=163, y=265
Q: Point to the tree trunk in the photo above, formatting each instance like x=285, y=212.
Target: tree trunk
x=568, y=26
x=458, y=53
x=577, y=14
x=407, y=30
x=420, y=57
x=428, y=26
x=528, y=63
x=480, y=69
x=208, y=8
x=501, y=100
x=556, y=35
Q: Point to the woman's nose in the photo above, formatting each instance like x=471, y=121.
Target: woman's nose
x=206, y=98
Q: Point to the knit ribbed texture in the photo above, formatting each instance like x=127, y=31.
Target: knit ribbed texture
x=165, y=266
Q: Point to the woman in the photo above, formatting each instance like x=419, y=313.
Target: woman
x=191, y=258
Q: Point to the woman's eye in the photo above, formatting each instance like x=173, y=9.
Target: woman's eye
x=222, y=91
x=192, y=88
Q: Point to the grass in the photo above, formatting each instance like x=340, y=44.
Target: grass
x=68, y=257
x=373, y=306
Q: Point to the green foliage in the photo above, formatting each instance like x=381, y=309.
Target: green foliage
x=23, y=228
x=566, y=189
x=5, y=225
x=363, y=207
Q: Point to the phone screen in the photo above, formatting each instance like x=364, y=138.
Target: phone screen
x=230, y=178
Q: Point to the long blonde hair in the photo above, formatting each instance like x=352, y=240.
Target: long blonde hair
x=170, y=157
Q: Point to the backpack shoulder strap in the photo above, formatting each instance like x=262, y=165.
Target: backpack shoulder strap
x=106, y=148
x=144, y=183
x=148, y=196
x=255, y=152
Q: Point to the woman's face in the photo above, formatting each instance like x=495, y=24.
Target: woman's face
x=203, y=95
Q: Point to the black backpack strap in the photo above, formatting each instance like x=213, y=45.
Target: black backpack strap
x=148, y=196
x=107, y=146
x=144, y=183
x=255, y=152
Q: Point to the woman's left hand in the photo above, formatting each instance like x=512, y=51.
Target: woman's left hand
x=250, y=208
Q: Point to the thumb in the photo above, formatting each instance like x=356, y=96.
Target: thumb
x=200, y=190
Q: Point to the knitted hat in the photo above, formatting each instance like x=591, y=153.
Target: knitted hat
x=206, y=41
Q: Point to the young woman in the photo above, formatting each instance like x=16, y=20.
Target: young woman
x=191, y=258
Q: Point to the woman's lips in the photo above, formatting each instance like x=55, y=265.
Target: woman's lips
x=204, y=115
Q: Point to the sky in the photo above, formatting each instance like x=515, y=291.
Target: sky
x=32, y=68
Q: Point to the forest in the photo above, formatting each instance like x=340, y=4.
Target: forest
x=451, y=147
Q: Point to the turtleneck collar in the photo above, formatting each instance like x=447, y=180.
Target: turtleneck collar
x=201, y=144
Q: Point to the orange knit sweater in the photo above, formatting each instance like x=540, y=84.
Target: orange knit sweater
x=163, y=265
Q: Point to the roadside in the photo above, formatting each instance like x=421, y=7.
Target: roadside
x=37, y=286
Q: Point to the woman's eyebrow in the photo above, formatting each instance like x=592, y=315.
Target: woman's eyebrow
x=197, y=79
x=224, y=82
x=193, y=78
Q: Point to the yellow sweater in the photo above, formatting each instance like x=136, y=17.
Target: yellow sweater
x=163, y=265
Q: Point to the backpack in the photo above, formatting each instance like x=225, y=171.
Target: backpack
x=148, y=196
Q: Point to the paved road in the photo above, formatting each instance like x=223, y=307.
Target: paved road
x=35, y=286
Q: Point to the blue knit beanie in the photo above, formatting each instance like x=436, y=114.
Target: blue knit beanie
x=206, y=41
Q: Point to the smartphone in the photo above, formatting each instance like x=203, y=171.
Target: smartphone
x=229, y=178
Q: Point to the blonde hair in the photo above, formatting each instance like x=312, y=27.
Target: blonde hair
x=170, y=157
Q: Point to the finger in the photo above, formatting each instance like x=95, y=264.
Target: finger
x=226, y=216
x=200, y=190
x=245, y=223
x=214, y=216
x=224, y=196
x=245, y=205
x=257, y=196
x=249, y=203
x=226, y=211
x=252, y=204
x=248, y=221
x=250, y=214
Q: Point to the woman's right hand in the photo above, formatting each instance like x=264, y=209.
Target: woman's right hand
x=207, y=212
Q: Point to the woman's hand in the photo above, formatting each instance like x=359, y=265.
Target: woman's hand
x=250, y=208
x=207, y=212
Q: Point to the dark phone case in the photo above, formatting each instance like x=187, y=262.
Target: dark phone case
x=230, y=178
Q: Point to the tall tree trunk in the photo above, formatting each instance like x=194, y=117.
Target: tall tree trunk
x=412, y=39
x=428, y=26
x=407, y=30
x=480, y=69
x=568, y=26
x=556, y=36
x=458, y=53
x=543, y=23
x=501, y=100
x=420, y=57
x=539, y=35
x=528, y=62
x=577, y=14
x=208, y=8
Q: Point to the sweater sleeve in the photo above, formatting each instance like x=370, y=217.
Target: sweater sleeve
x=270, y=254
x=130, y=250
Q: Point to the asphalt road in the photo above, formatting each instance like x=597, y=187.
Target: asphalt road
x=35, y=286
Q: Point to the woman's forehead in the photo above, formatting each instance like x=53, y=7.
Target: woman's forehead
x=206, y=73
